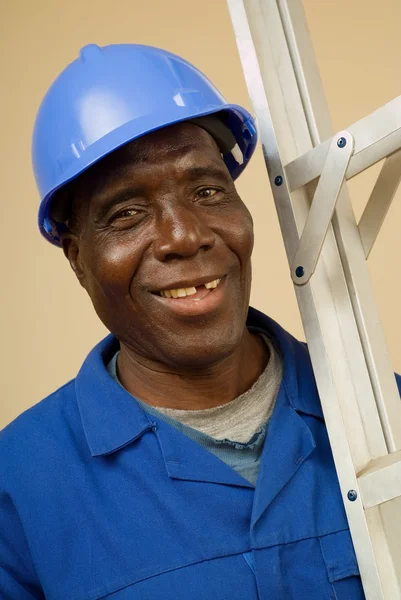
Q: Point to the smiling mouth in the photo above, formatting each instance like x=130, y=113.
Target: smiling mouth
x=197, y=292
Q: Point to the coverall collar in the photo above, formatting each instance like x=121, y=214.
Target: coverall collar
x=111, y=419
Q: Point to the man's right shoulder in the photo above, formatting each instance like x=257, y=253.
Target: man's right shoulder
x=39, y=428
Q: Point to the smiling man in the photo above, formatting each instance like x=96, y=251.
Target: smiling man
x=189, y=458
x=162, y=243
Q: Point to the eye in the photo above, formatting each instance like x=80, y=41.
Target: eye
x=127, y=213
x=126, y=218
x=208, y=192
x=211, y=196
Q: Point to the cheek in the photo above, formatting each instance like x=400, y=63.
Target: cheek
x=247, y=239
x=109, y=266
x=239, y=236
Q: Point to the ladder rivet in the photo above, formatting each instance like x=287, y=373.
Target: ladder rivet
x=299, y=271
x=341, y=142
x=352, y=495
x=278, y=180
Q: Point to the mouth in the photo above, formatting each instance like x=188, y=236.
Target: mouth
x=195, y=292
x=193, y=299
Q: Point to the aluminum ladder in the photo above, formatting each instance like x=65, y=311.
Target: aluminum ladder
x=327, y=249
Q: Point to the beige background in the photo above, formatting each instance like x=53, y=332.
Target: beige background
x=48, y=325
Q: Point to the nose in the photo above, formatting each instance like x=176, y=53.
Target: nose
x=181, y=233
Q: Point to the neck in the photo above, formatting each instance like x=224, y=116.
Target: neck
x=161, y=386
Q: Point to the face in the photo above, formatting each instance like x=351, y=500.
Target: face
x=157, y=217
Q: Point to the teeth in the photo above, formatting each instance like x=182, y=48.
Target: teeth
x=212, y=284
x=190, y=291
x=179, y=293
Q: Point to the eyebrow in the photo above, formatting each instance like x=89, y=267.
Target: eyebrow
x=208, y=171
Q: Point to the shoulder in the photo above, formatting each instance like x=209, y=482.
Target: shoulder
x=42, y=411
x=35, y=433
x=48, y=407
x=56, y=418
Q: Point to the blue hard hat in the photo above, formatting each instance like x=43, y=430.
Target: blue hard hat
x=112, y=95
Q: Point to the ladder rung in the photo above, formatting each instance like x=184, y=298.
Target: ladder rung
x=380, y=481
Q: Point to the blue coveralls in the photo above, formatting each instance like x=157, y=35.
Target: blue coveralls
x=100, y=500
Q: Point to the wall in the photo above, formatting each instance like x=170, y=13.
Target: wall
x=47, y=322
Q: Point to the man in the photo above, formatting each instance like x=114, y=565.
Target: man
x=189, y=458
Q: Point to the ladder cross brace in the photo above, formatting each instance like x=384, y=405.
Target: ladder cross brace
x=322, y=209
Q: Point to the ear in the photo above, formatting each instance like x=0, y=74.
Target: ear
x=70, y=245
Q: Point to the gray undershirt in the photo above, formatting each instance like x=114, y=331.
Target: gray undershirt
x=235, y=431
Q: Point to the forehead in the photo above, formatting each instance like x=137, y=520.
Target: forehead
x=156, y=148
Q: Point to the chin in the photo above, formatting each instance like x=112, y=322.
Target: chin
x=204, y=349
